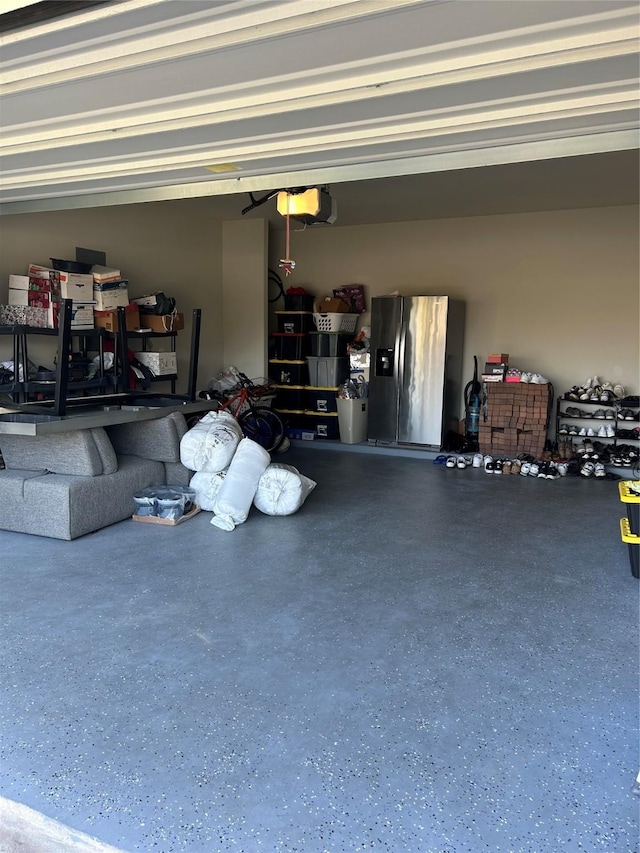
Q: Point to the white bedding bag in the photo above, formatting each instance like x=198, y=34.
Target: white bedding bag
x=233, y=501
x=211, y=443
x=282, y=490
x=206, y=487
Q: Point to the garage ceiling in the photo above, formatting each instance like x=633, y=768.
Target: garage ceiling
x=141, y=100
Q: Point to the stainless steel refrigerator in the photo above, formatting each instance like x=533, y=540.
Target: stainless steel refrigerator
x=415, y=388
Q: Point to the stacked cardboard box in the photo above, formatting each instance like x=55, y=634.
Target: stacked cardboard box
x=516, y=419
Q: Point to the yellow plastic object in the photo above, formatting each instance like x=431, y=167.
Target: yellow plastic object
x=626, y=495
x=626, y=534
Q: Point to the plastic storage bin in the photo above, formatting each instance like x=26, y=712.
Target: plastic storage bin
x=324, y=424
x=321, y=399
x=633, y=543
x=332, y=344
x=294, y=322
x=294, y=346
x=352, y=418
x=627, y=490
x=293, y=418
x=284, y=372
x=298, y=302
x=335, y=322
x=327, y=372
x=290, y=397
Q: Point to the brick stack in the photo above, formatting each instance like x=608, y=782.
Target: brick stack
x=516, y=419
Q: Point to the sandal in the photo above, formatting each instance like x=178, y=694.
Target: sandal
x=440, y=460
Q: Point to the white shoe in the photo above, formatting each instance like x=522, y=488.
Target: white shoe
x=610, y=431
x=590, y=432
x=538, y=379
x=582, y=431
x=461, y=462
x=525, y=377
x=478, y=459
x=602, y=432
x=619, y=391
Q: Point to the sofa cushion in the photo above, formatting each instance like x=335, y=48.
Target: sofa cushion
x=65, y=507
x=157, y=439
x=82, y=452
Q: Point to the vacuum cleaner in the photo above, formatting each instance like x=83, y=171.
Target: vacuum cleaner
x=472, y=402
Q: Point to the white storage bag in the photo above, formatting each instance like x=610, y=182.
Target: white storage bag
x=211, y=443
x=206, y=487
x=282, y=490
x=233, y=501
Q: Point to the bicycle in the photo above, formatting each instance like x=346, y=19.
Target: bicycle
x=258, y=422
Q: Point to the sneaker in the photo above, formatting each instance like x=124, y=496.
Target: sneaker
x=525, y=467
x=590, y=432
x=564, y=429
x=515, y=466
x=582, y=431
x=497, y=466
x=588, y=469
x=562, y=468
x=538, y=379
x=619, y=391
x=610, y=431
x=599, y=413
x=573, y=430
x=602, y=432
x=488, y=464
x=626, y=415
x=461, y=462
x=451, y=462
x=506, y=466
x=525, y=377
x=599, y=470
x=534, y=469
x=477, y=460
x=542, y=470
x=552, y=471
x=609, y=414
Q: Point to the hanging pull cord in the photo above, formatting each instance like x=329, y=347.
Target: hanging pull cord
x=286, y=263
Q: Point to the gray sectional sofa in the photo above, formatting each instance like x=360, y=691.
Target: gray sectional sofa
x=66, y=484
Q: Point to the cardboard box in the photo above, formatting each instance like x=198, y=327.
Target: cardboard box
x=162, y=322
x=170, y=522
x=25, y=282
x=65, y=285
x=109, y=319
x=354, y=295
x=37, y=298
x=76, y=286
x=331, y=306
x=159, y=363
x=111, y=298
x=81, y=315
x=496, y=367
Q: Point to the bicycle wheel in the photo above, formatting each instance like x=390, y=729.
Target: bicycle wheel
x=264, y=426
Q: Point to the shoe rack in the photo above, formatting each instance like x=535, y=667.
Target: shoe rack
x=616, y=421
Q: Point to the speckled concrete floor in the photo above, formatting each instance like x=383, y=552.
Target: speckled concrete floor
x=422, y=660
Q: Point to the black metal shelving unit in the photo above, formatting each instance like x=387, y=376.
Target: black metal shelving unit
x=105, y=389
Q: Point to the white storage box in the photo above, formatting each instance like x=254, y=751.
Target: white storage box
x=159, y=363
x=25, y=282
x=76, y=286
x=37, y=298
x=330, y=322
x=81, y=315
x=111, y=298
